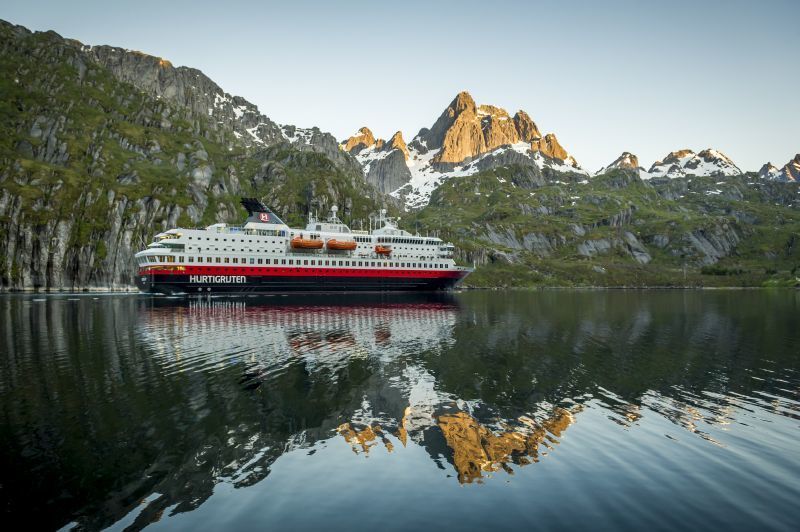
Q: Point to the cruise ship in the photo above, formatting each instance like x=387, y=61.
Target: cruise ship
x=266, y=255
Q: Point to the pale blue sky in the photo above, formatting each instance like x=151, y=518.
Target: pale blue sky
x=647, y=77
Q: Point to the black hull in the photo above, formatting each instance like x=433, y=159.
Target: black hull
x=254, y=284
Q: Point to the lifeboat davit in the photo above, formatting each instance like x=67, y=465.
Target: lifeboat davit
x=306, y=243
x=383, y=250
x=341, y=245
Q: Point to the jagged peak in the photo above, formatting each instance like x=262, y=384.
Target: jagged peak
x=527, y=129
x=396, y=142
x=361, y=140
x=550, y=147
x=769, y=171
x=491, y=110
x=675, y=156
x=791, y=170
x=625, y=160
x=684, y=162
x=463, y=102
x=710, y=154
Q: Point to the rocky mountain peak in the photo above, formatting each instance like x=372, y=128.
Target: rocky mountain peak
x=792, y=169
x=769, y=171
x=708, y=162
x=397, y=143
x=361, y=140
x=550, y=147
x=526, y=128
x=676, y=156
x=465, y=131
x=462, y=104
x=626, y=160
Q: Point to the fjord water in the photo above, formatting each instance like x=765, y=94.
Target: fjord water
x=557, y=409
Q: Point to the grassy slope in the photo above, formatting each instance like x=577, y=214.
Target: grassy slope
x=767, y=255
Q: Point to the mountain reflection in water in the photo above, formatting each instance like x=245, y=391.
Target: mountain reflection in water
x=127, y=411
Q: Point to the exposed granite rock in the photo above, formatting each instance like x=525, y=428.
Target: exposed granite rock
x=397, y=143
x=769, y=171
x=498, y=128
x=526, y=128
x=190, y=89
x=549, y=147
x=626, y=160
x=434, y=137
x=791, y=171
x=463, y=139
x=712, y=244
x=362, y=140
x=389, y=173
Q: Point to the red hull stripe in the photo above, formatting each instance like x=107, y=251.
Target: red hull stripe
x=302, y=271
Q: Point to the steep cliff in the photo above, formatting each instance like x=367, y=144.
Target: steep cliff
x=101, y=148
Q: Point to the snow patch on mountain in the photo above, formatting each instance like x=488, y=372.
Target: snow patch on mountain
x=682, y=163
x=426, y=176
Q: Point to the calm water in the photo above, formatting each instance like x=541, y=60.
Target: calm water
x=571, y=410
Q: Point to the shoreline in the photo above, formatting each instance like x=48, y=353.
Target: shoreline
x=135, y=291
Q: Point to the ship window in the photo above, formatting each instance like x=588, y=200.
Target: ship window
x=347, y=263
x=235, y=260
x=291, y=261
x=252, y=261
x=217, y=260
x=305, y=262
x=283, y=261
x=360, y=263
x=208, y=259
x=327, y=263
x=191, y=259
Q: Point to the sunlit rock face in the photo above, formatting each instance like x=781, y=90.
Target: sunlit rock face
x=466, y=138
x=478, y=450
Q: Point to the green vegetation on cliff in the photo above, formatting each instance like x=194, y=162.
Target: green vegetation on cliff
x=522, y=228
x=91, y=167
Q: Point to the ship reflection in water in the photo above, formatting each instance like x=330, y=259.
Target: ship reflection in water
x=668, y=409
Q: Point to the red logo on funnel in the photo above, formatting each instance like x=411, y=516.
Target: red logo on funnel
x=264, y=217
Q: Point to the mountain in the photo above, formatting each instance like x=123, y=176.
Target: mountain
x=384, y=163
x=625, y=160
x=466, y=138
x=201, y=98
x=708, y=162
x=521, y=227
x=101, y=147
x=769, y=171
x=791, y=171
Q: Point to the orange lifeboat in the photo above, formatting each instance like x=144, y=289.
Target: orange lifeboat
x=306, y=243
x=341, y=245
x=383, y=250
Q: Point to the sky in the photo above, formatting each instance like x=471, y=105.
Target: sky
x=605, y=77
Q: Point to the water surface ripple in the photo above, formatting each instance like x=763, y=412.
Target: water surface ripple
x=555, y=409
